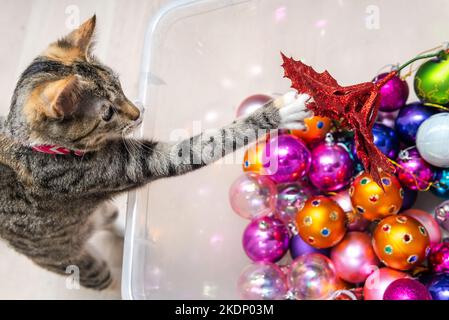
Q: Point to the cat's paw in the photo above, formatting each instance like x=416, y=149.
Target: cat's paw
x=293, y=110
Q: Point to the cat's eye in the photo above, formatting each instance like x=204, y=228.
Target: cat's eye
x=108, y=113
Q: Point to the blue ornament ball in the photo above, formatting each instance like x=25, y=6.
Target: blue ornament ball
x=440, y=187
x=439, y=287
x=349, y=144
x=386, y=140
x=409, y=198
x=410, y=118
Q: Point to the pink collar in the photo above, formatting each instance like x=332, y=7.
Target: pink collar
x=55, y=149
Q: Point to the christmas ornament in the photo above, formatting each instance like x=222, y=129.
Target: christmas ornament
x=290, y=198
x=312, y=277
x=252, y=160
x=432, y=138
x=409, y=198
x=299, y=247
x=393, y=94
x=321, y=222
x=331, y=168
x=439, y=287
x=355, y=106
x=432, y=80
x=428, y=221
x=251, y=104
x=413, y=172
x=262, y=281
x=286, y=158
x=354, y=258
x=315, y=131
x=386, y=140
x=347, y=141
x=378, y=281
x=409, y=119
x=371, y=201
x=440, y=187
x=355, y=221
x=252, y=196
x=387, y=118
x=265, y=239
x=442, y=215
x=406, y=289
x=439, y=257
x=401, y=242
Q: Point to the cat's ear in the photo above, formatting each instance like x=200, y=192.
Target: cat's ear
x=59, y=99
x=82, y=37
x=76, y=45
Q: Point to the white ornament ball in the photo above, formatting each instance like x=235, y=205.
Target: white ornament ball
x=432, y=140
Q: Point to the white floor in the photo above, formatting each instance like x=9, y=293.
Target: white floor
x=26, y=27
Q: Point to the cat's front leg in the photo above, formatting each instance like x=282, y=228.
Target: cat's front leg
x=170, y=159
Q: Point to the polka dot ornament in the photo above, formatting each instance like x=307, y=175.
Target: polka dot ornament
x=371, y=201
x=321, y=222
x=315, y=129
x=401, y=242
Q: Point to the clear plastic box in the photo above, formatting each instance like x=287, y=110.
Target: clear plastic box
x=201, y=59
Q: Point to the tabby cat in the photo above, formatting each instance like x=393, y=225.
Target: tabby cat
x=68, y=104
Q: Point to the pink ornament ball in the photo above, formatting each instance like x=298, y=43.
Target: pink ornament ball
x=265, y=239
x=262, y=281
x=290, y=198
x=253, y=196
x=407, y=289
x=413, y=172
x=439, y=257
x=286, y=158
x=251, y=104
x=428, y=221
x=356, y=222
x=354, y=258
x=312, y=276
x=331, y=168
x=378, y=281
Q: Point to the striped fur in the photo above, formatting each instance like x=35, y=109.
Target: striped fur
x=49, y=205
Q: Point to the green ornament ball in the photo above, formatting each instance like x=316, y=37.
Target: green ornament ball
x=432, y=81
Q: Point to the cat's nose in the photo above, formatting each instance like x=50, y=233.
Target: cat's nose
x=131, y=111
x=141, y=108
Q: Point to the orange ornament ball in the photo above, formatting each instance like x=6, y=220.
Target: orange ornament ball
x=371, y=201
x=321, y=222
x=316, y=129
x=252, y=160
x=401, y=242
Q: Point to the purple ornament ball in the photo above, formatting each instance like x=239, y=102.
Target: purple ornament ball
x=286, y=158
x=251, y=104
x=299, y=247
x=265, y=239
x=387, y=118
x=406, y=289
x=413, y=172
x=332, y=167
x=409, y=119
x=393, y=94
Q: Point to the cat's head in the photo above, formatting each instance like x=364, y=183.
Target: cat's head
x=66, y=97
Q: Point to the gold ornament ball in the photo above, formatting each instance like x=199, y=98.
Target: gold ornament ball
x=371, y=201
x=401, y=242
x=321, y=222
